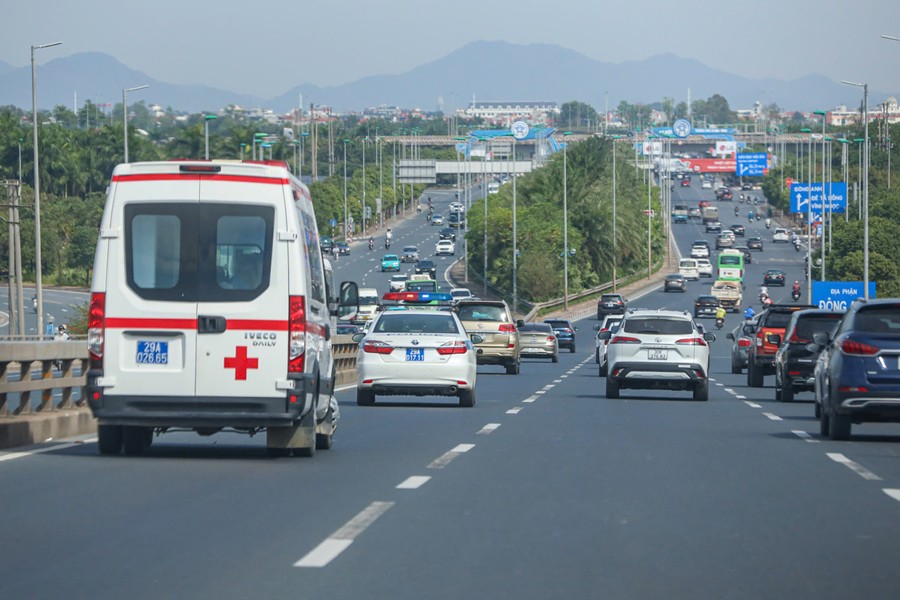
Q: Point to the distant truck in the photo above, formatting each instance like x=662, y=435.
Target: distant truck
x=728, y=293
x=710, y=214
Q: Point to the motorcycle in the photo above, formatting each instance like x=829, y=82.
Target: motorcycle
x=387, y=244
x=795, y=295
x=768, y=224
x=720, y=323
x=371, y=245
x=758, y=217
x=797, y=245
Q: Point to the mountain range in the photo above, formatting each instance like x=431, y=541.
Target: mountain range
x=485, y=70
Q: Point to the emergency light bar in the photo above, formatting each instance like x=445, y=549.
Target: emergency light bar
x=418, y=297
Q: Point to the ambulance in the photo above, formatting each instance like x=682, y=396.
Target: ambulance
x=211, y=308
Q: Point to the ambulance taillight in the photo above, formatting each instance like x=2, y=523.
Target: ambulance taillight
x=297, y=333
x=96, y=329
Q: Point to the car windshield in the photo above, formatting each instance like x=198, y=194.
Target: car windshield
x=411, y=322
x=878, y=319
x=658, y=325
x=481, y=312
x=421, y=286
x=368, y=300
x=390, y=257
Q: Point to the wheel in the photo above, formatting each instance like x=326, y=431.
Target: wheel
x=555, y=357
x=109, y=439
x=572, y=349
x=754, y=375
x=612, y=389
x=839, y=427
x=735, y=367
x=467, y=398
x=325, y=440
x=701, y=391
x=365, y=397
x=134, y=440
x=597, y=356
x=604, y=369
x=824, y=422
x=787, y=392
x=817, y=409
x=512, y=368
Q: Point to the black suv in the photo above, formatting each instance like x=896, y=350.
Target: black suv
x=610, y=304
x=565, y=332
x=794, y=362
x=705, y=306
x=761, y=358
x=427, y=267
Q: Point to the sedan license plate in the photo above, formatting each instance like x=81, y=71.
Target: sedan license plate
x=658, y=354
x=152, y=353
x=415, y=354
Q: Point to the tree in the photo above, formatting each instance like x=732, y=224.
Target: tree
x=578, y=115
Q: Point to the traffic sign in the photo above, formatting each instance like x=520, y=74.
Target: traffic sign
x=682, y=128
x=752, y=164
x=837, y=295
x=520, y=130
x=801, y=193
x=333, y=222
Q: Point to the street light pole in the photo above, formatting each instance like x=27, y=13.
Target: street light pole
x=125, y=113
x=615, y=248
x=345, y=189
x=39, y=289
x=565, y=222
x=865, y=211
x=206, y=120
x=515, y=256
x=825, y=196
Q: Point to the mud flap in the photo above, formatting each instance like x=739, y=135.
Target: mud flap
x=302, y=435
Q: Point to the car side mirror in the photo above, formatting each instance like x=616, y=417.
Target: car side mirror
x=604, y=335
x=358, y=337
x=709, y=336
x=774, y=339
x=749, y=330
x=729, y=336
x=822, y=338
x=813, y=347
x=519, y=322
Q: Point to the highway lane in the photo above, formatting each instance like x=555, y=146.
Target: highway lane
x=562, y=493
x=60, y=306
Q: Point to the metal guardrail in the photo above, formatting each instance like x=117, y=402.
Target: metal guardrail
x=21, y=361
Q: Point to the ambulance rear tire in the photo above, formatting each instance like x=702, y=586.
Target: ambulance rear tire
x=134, y=440
x=109, y=439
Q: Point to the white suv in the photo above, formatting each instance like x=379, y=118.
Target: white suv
x=658, y=349
x=781, y=235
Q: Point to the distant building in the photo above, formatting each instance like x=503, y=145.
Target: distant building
x=504, y=112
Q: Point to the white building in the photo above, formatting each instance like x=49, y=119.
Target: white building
x=505, y=112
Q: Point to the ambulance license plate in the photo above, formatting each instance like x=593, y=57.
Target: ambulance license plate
x=415, y=354
x=152, y=353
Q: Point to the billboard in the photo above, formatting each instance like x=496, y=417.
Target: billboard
x=837, y=295
x=710, y=165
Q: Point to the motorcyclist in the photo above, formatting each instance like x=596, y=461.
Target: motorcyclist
x=768, y=223
x=371, y=242
x=389, y=235
x=749, y=313
x=737, y=211
x=720, y=315
x=750, y=215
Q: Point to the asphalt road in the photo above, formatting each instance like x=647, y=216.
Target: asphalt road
x=59, y=307
x=545, y=489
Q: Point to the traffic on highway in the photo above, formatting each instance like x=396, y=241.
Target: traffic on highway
x=667, y=448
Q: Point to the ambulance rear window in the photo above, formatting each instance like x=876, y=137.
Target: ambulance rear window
x=189, y=252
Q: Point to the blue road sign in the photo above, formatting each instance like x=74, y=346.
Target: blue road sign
x=837, y=295
x=801, y=193
x=333, y=222
x=751, y=164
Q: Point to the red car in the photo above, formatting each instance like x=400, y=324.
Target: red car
x=685, y=182
x=703, y=203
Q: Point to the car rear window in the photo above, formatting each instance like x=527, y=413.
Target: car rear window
x=777, y=319
x=481, y=312
x=807, y=326
x=559, y=324
x=536, y=328
x=415, y=323
x=878, y=319
x=610, y=298
x=659, y=325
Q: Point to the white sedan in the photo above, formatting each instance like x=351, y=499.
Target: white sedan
x=444, y=247
x=457, y=207
x=699, y=252
x=705, y=267
x=416, y=353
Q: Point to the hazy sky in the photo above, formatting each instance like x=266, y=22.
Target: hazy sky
x=266, y=47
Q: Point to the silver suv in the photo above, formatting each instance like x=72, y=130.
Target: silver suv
x=658, y=349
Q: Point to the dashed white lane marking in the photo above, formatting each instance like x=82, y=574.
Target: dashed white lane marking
x=739, y=397
x=414, y=482
x=730, y=391
x=853, y=466
x=720, y=384
x=752, y=404
x=530, y=399
x=444, y=459
x=557, y=381
x=772, y=417
x=547, y=387
x=14, y=455
x=514, y=411
x=712, y=379
x=540, y=392
x=805, y=436
x=488, y=429
x=341, y=539
x=893, y=493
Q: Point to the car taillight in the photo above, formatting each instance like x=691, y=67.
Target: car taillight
x=743, y=343
x=457, y=347
x=795, y=339
x=858, y=348
x=507, y=328
x=567, y=331
x=96, y=335
x=296, y=334
x=622, y=339
x=759, y=339
x=376, y=347
x=694, y=341
x=551, y=338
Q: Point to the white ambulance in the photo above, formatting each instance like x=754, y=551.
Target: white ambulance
x=211, y=308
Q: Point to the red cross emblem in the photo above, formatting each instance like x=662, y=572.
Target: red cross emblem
x=240, y=363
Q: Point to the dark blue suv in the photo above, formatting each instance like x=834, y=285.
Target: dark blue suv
x=857, y=375
x=565, y=333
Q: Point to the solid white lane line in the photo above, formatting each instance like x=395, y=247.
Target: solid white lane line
x=414, y=482
x=805, y=436
x=752, y=404
x=14, y=455
x=444, y=459
x=893, y=493
x=772, y=417
x=341, y=539
x=853, y=466
x=514, y=411
x=488, y=428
